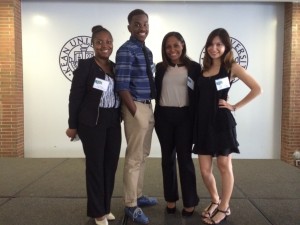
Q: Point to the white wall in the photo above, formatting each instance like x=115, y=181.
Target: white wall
x=48, y=26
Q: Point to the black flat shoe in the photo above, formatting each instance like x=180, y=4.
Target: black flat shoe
x=171, y=210
x=186, y=213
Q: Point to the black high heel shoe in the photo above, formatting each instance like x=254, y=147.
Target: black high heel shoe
x=171, y=210
x=185, y=213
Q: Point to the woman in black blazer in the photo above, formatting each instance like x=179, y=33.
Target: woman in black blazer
x=94, y=115
x=174, y=80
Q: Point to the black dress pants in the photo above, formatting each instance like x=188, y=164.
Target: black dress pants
x=174, y=131
x=101, y=145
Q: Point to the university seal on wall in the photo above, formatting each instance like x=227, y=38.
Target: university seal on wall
x=79, y=47
x=239, y=52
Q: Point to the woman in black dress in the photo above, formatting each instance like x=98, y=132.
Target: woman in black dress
x=215, y=126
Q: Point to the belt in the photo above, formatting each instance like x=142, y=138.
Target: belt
x=144, y=101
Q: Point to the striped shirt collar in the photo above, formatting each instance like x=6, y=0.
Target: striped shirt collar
x=136, y=41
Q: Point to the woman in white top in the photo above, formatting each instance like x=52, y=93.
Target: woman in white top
x=173, y=114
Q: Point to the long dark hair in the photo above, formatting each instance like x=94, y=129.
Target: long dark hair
x=227, y=58
x=184, y=58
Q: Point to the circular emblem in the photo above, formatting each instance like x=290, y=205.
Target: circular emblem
x=239, y=53
x=79, y=47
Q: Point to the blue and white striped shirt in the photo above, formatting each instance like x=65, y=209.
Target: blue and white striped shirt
x=131, y=69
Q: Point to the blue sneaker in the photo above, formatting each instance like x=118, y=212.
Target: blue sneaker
x=146, y=201
x=136, y=214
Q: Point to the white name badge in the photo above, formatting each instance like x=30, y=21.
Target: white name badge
x=100, y=84
x=190, y=83
x=222, y=83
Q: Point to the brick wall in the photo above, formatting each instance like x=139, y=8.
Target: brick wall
x=11, y=80
x=290, y=130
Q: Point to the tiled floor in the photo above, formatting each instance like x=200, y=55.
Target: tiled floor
x=52, y=192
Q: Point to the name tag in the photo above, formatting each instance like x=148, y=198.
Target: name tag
x=100, y=84
x=222, y=83
x=190, y=83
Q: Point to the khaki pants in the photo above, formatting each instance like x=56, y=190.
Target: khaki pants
x=138, y=133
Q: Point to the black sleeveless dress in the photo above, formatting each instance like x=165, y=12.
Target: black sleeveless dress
x=214, y=128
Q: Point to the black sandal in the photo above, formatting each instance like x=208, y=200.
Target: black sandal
x=207, y=210
x=227, y=213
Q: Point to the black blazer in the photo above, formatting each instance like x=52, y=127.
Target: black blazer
x=84, y=99
x=193, y=72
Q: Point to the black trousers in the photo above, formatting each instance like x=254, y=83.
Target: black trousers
x=174, y=131
x=101, y=145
